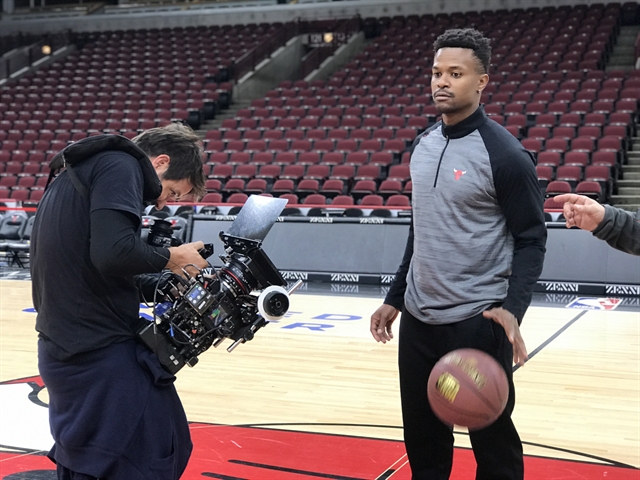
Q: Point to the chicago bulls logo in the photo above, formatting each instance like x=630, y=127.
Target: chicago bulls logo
x=458, y=173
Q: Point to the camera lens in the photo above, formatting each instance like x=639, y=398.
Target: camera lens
x=237, y=277
x=160, y=234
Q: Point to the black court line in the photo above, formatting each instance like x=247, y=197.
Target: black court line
x=386, y=475
x=552, y=337
x=220, y=476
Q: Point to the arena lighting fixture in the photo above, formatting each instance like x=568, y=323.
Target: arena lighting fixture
x=46, y=49
x=328, y=37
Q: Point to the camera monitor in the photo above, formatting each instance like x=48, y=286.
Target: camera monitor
x=257, y=217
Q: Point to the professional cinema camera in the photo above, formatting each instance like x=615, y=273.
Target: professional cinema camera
x=193, y=313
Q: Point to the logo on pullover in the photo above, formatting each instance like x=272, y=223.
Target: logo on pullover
x=458, y=173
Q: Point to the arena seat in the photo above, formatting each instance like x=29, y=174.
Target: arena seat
x=557, y=188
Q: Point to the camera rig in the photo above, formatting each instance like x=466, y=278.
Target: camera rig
x=235, y=301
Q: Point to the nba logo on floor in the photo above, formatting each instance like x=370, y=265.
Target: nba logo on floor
x=588, y=303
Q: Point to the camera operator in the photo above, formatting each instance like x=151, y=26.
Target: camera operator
x=114, y=412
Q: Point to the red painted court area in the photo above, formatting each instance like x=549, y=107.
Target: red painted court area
x=245, y=453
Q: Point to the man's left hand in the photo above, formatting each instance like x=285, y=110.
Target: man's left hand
x=512, y=329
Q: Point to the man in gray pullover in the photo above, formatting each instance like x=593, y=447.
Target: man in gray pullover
x=475, y=251
x=615, y=226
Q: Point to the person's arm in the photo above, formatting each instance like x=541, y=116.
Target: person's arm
x=395, y=295
x=619, y=229
x=520, y=199
x=382, y=319
x=147, y=284
x=117, y=249
x=615, y=226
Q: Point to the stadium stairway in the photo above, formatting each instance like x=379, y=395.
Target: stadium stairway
x=622, y=55
x=623, y=58
x=221, y=115
x=330, y=65
x=628, y=196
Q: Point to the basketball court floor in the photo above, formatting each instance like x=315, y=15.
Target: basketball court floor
x=313, y=396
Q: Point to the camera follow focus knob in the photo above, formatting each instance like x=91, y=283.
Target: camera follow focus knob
x=273, y=302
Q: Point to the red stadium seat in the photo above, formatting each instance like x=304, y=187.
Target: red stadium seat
x=344, y=172
x=367, y=172
x=212, y=197
x=332, y=188
x=362, y=188
x=332, y=158
x=245, y=171
x=238, y=198
x=342, y=200
x=398, y=201
x=306, y=187
x=315, y=199
x=372, y=200
x=293, y=171
x=318, y=172
x=256, y=186
x=388, y=188
x=590, y=189
x=282, y=186
x=233, y=185
x=571, y=174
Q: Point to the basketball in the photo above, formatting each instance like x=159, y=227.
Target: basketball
x=468, y=388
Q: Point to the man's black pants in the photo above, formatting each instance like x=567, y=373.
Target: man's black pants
x=429, y=442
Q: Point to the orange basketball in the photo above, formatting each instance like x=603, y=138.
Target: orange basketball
x=469, y=388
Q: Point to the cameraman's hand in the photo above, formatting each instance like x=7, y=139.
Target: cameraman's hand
x=186, y=256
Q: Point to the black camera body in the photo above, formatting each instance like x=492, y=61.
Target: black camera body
x=194, y=313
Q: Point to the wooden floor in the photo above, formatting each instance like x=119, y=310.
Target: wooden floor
x=319, y=371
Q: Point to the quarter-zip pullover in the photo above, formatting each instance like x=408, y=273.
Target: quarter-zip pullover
x=478, y=233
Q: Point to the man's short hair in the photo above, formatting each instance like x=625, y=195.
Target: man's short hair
x=467, y=38
x=184, y=148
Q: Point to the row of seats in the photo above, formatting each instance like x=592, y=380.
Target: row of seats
x=330, y=187
x=396, y=201
x=588, y=188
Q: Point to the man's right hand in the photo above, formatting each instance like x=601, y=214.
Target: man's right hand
x=185, y=257
x=381, y=322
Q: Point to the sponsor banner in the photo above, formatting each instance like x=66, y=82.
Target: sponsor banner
x=387, y=279
x=560, y=287
x=295, y=275
x=320, y=220
x=633, y=290
x=587, y=288
x=567, y=291
x=402, y=219
x=345, y=278
x=570, y=287
x=590, y=303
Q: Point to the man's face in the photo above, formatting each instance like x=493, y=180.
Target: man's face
x=455, y=82
x=172, y=190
